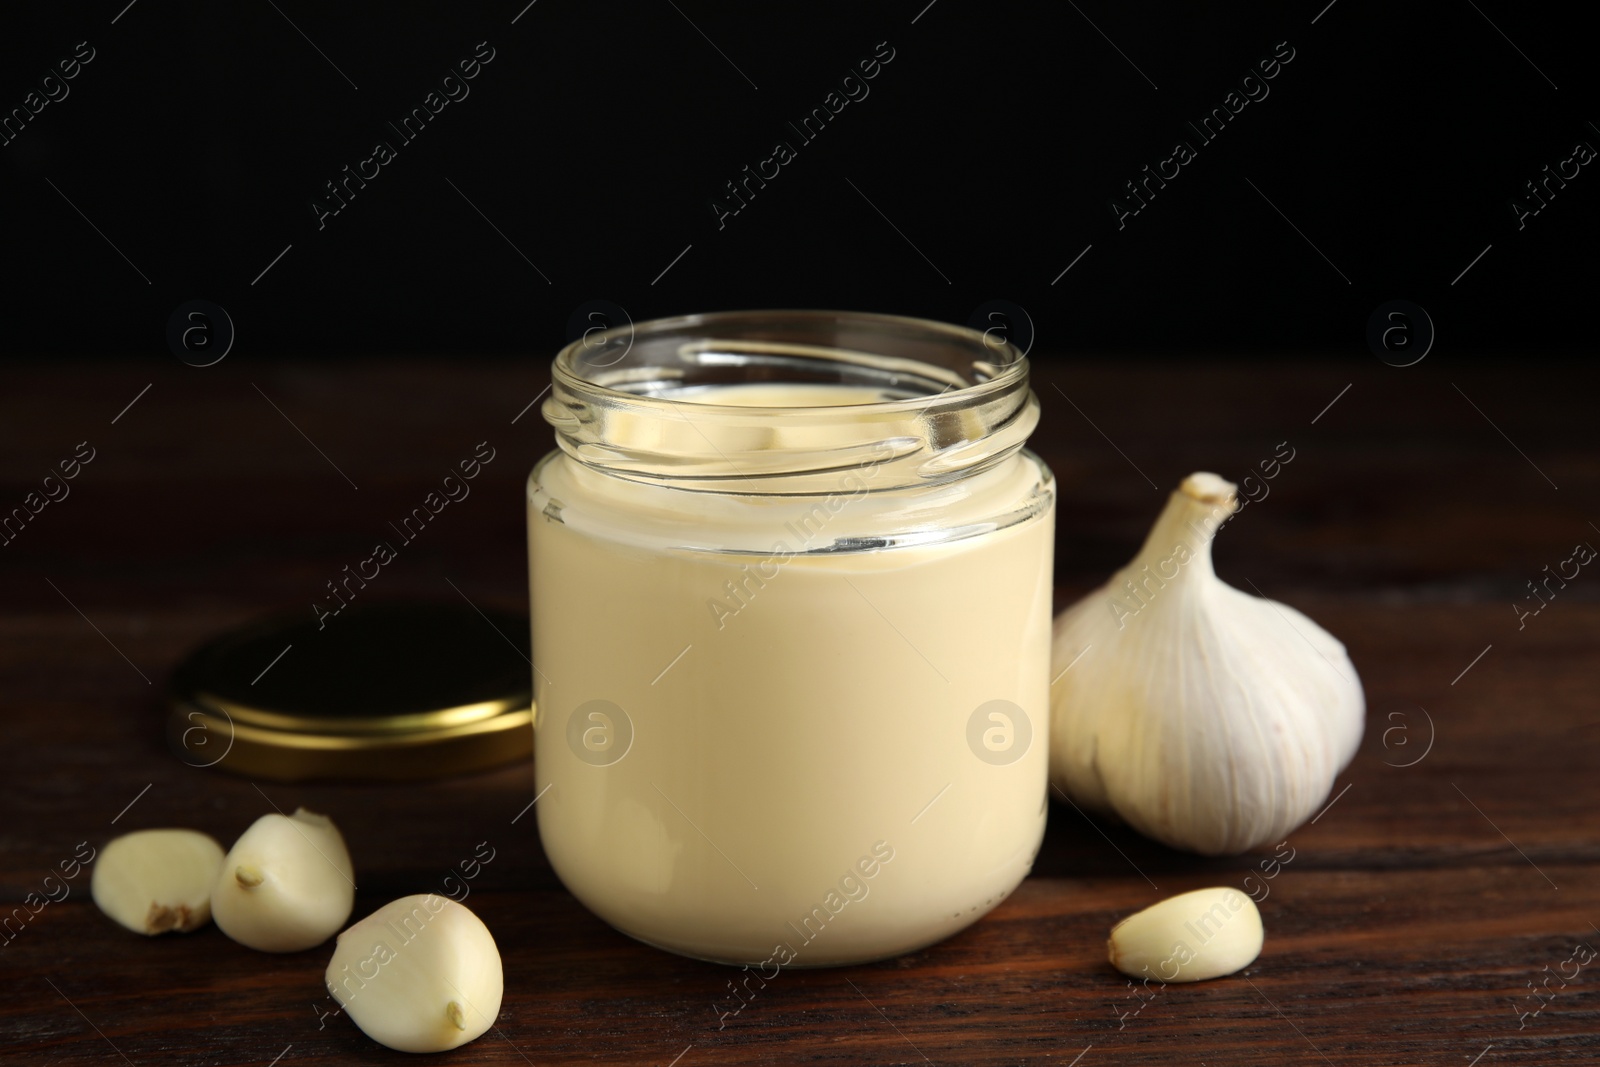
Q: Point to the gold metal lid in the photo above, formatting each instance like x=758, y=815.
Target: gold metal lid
x=386, y=692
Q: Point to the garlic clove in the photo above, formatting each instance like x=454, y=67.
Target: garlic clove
x=286, y=885
x=420, y=974
x=1188, y=938
x=157, y=881
x=1207, y=718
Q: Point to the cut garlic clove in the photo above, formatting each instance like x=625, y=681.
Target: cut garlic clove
x=286, y=885
x=157, y=881
x=421, y=974
x=1189, y=938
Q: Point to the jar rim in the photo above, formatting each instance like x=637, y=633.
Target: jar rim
x=1010, y=369
x=956, y=399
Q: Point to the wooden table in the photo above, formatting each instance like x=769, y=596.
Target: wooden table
x=1454, y=870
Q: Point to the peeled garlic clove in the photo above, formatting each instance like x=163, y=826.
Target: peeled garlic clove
x=421, y=974
x=286, y=884
x=156, y=881
x=1188, y=938
x=1207, y=718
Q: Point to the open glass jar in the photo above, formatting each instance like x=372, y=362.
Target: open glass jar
x=790, y=581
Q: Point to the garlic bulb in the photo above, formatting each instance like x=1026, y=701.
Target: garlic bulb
x=286, y=885
x=1207, y=718
x=155, y=881
x=420, y=974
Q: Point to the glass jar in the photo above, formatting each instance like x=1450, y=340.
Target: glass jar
x=790, y=579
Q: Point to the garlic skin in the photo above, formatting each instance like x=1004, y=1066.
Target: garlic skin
x=1188, y=938
x=157, y=881
x=420, y=974
x=286, y=885
x=1206, y=718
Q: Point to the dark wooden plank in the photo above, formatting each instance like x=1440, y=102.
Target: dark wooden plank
x=1530, y=768
x=1365, y=967
x=1416, y=912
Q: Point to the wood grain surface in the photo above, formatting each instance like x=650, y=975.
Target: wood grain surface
x=1453, y=874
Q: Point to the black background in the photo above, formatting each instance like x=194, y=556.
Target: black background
x=993, y=142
